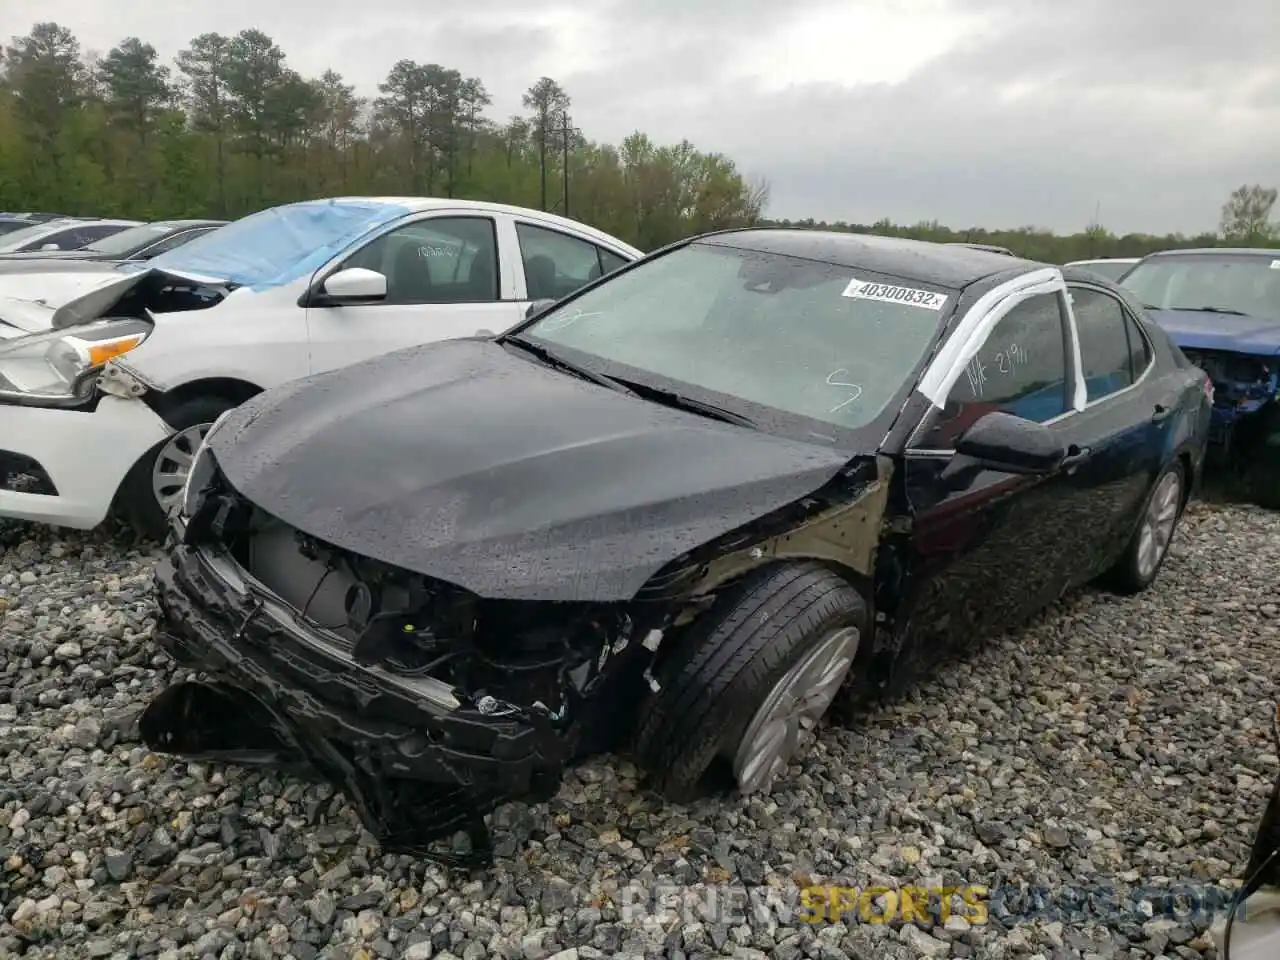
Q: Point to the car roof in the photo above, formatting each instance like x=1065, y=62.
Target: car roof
x=178, y=224
x=994, y=248
x=81, y=222
x=420, y=204
x=1270, y=254
x=945, y=264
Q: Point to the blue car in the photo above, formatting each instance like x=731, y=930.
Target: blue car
x=1222, y=307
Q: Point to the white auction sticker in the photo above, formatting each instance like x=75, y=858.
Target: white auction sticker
x=1275, y=264
x=886, y=293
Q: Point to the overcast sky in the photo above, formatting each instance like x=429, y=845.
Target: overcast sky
x=971, y=112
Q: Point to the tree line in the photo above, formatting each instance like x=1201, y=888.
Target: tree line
x=1245, y=222
x=230, y=128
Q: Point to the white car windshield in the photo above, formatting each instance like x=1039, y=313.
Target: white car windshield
x=1248, y=284
x=127, y=241
x=827, y=343
x=278, y=245
x=16, y=239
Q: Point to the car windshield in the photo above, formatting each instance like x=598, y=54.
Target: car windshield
x=827, y=343
x=1111, y=269
x=127, y=241
x=19, y=238
x=279, y=245
x=1247, y=284
x=9, y=227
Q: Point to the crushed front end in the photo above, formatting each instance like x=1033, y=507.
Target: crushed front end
x=1246, y=391
x=428, y=705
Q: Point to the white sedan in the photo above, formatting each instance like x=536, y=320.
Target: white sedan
x=110, y=378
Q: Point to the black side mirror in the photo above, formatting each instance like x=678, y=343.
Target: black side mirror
x=1001, y=441
x=537, y=307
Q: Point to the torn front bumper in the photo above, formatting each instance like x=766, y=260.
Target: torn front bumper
x=418, y=763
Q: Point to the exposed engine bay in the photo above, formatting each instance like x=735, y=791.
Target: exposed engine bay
x=537, y=656
x=490, y=701
x=1242, y=385
x=428, y=704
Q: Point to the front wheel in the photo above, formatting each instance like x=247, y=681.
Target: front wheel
x=154, y=484
x=749, y=681
x=1146, y=552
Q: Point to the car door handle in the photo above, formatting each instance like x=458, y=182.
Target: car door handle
x=1075, y=456
x=1163, y=411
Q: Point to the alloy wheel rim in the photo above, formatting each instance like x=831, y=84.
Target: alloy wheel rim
x=792, y=708
x=172, y=465
x=1158, y=524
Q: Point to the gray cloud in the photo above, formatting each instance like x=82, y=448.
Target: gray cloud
x=1035, y=113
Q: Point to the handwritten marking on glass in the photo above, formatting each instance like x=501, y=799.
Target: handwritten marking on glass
x=432, y=250
x=976, y=371
x=833, y=382
x=559, y=323
x=1011, y=359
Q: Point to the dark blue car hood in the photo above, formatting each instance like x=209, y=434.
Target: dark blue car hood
x=464, y=461
x=1199, y=330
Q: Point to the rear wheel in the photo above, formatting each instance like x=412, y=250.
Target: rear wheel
x=154, y=484
x=1146, y=552
x=750, y=680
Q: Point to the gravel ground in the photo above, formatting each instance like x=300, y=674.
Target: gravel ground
x=1114, y=741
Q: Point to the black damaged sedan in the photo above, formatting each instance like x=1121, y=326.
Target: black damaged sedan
x=682, y=513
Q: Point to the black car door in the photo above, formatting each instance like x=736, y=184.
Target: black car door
x=1124, y=426
x=977, y=556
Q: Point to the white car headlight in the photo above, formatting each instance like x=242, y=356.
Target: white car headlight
x=60, y=368
x=201, y=472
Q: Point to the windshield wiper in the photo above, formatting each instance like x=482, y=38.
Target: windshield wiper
x=1234, y=313
x=673, y=398
x=553, y=359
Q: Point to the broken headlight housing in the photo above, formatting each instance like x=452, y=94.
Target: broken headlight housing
x=61, y=367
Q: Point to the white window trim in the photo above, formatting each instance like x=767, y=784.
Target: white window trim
x=975, y=328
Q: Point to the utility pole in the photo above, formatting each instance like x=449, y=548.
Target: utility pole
x=565, y=170
x=542, y=161
x=567, y=131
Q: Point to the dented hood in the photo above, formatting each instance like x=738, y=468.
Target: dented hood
x=31, y=301
x=1201, y=330
x=42, y=301
x=465, y=461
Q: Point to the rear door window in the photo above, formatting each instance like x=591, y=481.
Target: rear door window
x=1104, y=343
x=556, y=264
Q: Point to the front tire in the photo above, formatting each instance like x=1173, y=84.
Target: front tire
x=1147, y=549
x=154, y=483
x=752, y=676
